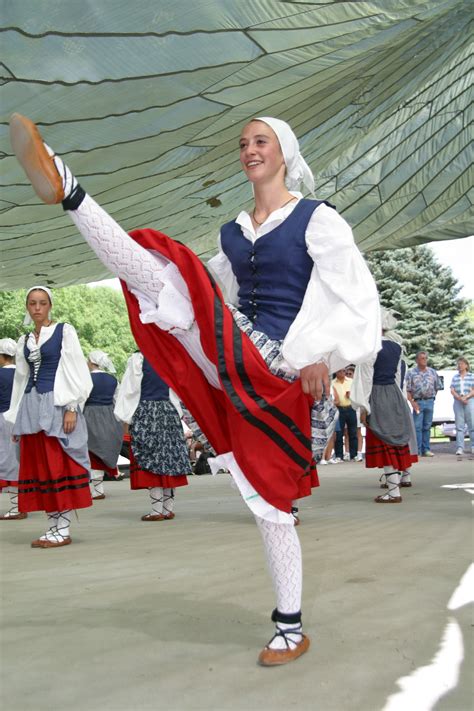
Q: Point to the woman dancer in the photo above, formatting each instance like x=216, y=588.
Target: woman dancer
x=159, y=458
x=8, y=457
x=249, y=376
x=104, y=432
x=51, y=384
x=390, y=436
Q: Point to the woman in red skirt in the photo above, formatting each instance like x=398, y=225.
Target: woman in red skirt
x=8, y=454
x=159, y=458
x=251, y=369
x=390, y=443
x=52, y=383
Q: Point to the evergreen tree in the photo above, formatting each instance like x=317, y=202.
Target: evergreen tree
x=424, y=295
x=99, y=316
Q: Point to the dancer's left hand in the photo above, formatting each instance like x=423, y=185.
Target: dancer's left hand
x=315, y=380
x=69, y=422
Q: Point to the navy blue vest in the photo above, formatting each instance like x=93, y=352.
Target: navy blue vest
x=104, y=387
x=50, y=356
x=6, y=387
x=386, y=364
x=153, y=387
x=272, y=273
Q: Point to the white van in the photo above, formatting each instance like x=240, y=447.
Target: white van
x=443, y=406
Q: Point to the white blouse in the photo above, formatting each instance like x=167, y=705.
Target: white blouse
x=72, y=383
x=129, y=390
x=339, y=320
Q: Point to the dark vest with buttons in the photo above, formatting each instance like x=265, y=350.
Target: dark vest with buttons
x=386, y=364
x=103, y=390
x=153, y=387
x=272, y=273
x=50, y=357
x=6, y=386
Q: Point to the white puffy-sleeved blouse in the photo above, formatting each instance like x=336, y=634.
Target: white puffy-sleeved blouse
x=129, y=390
x=72, y=383
x=339, y=320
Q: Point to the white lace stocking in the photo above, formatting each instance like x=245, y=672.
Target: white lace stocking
x=13, y=493
x=283, y=553
x=97, y=482
x=168, y=501
x=156, y=498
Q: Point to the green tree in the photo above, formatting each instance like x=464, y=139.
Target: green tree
x=99, y=316
x=425, y=296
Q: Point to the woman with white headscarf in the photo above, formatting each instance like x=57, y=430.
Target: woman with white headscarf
x=51, y=384
x=390, y=435
x=252, y=371
x=105, y=433
x=8, y=453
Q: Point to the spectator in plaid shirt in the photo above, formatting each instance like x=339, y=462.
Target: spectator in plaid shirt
x=422, y=385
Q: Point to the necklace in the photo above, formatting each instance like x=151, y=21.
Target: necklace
x=37, y=333
x=279, y=208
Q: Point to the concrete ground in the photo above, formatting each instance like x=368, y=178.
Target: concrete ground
x=172, y=615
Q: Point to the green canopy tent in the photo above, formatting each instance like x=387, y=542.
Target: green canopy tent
x=145, y=101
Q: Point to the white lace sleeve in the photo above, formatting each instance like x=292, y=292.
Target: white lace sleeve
x=221, y=269
x=340, y=314
x=73, y=381
x=129, y=390
x=20, y=380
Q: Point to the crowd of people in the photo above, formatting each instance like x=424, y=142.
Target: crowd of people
x=248, y=351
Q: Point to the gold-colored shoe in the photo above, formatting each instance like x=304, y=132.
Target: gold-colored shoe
x=275, y=657
x=35, y=160
x=44, y=543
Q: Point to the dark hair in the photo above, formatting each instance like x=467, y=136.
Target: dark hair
x=464, y=360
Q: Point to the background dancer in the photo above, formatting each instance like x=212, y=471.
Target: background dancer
x=51, y=384
x=159, y=458
x=390, y=436
x=248, y=376
x=104, y=432
x=8, y=454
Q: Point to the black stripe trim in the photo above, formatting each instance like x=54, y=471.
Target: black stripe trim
x=59, y=480
x=233, y=395
x=52, y=490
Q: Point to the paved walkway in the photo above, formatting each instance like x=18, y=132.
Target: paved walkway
x=172, y=615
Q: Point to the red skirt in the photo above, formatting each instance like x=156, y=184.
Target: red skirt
x=143, y=479
x=380, y=454
x=49, y=480
x=97, y=463
x=5, y=483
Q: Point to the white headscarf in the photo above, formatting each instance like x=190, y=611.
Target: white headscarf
x=28, y=320
x=297, y=170
x=7, y=346
x=101, y=359
x=389, y=324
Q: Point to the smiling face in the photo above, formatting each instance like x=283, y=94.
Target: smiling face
x=38, y=305
x=260, y=153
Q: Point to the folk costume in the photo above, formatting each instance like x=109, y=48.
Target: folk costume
x=51, y=377
x=104, y=431
x=235, y=365
x=390, y=435
x=8, y=450
x=159, y=458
